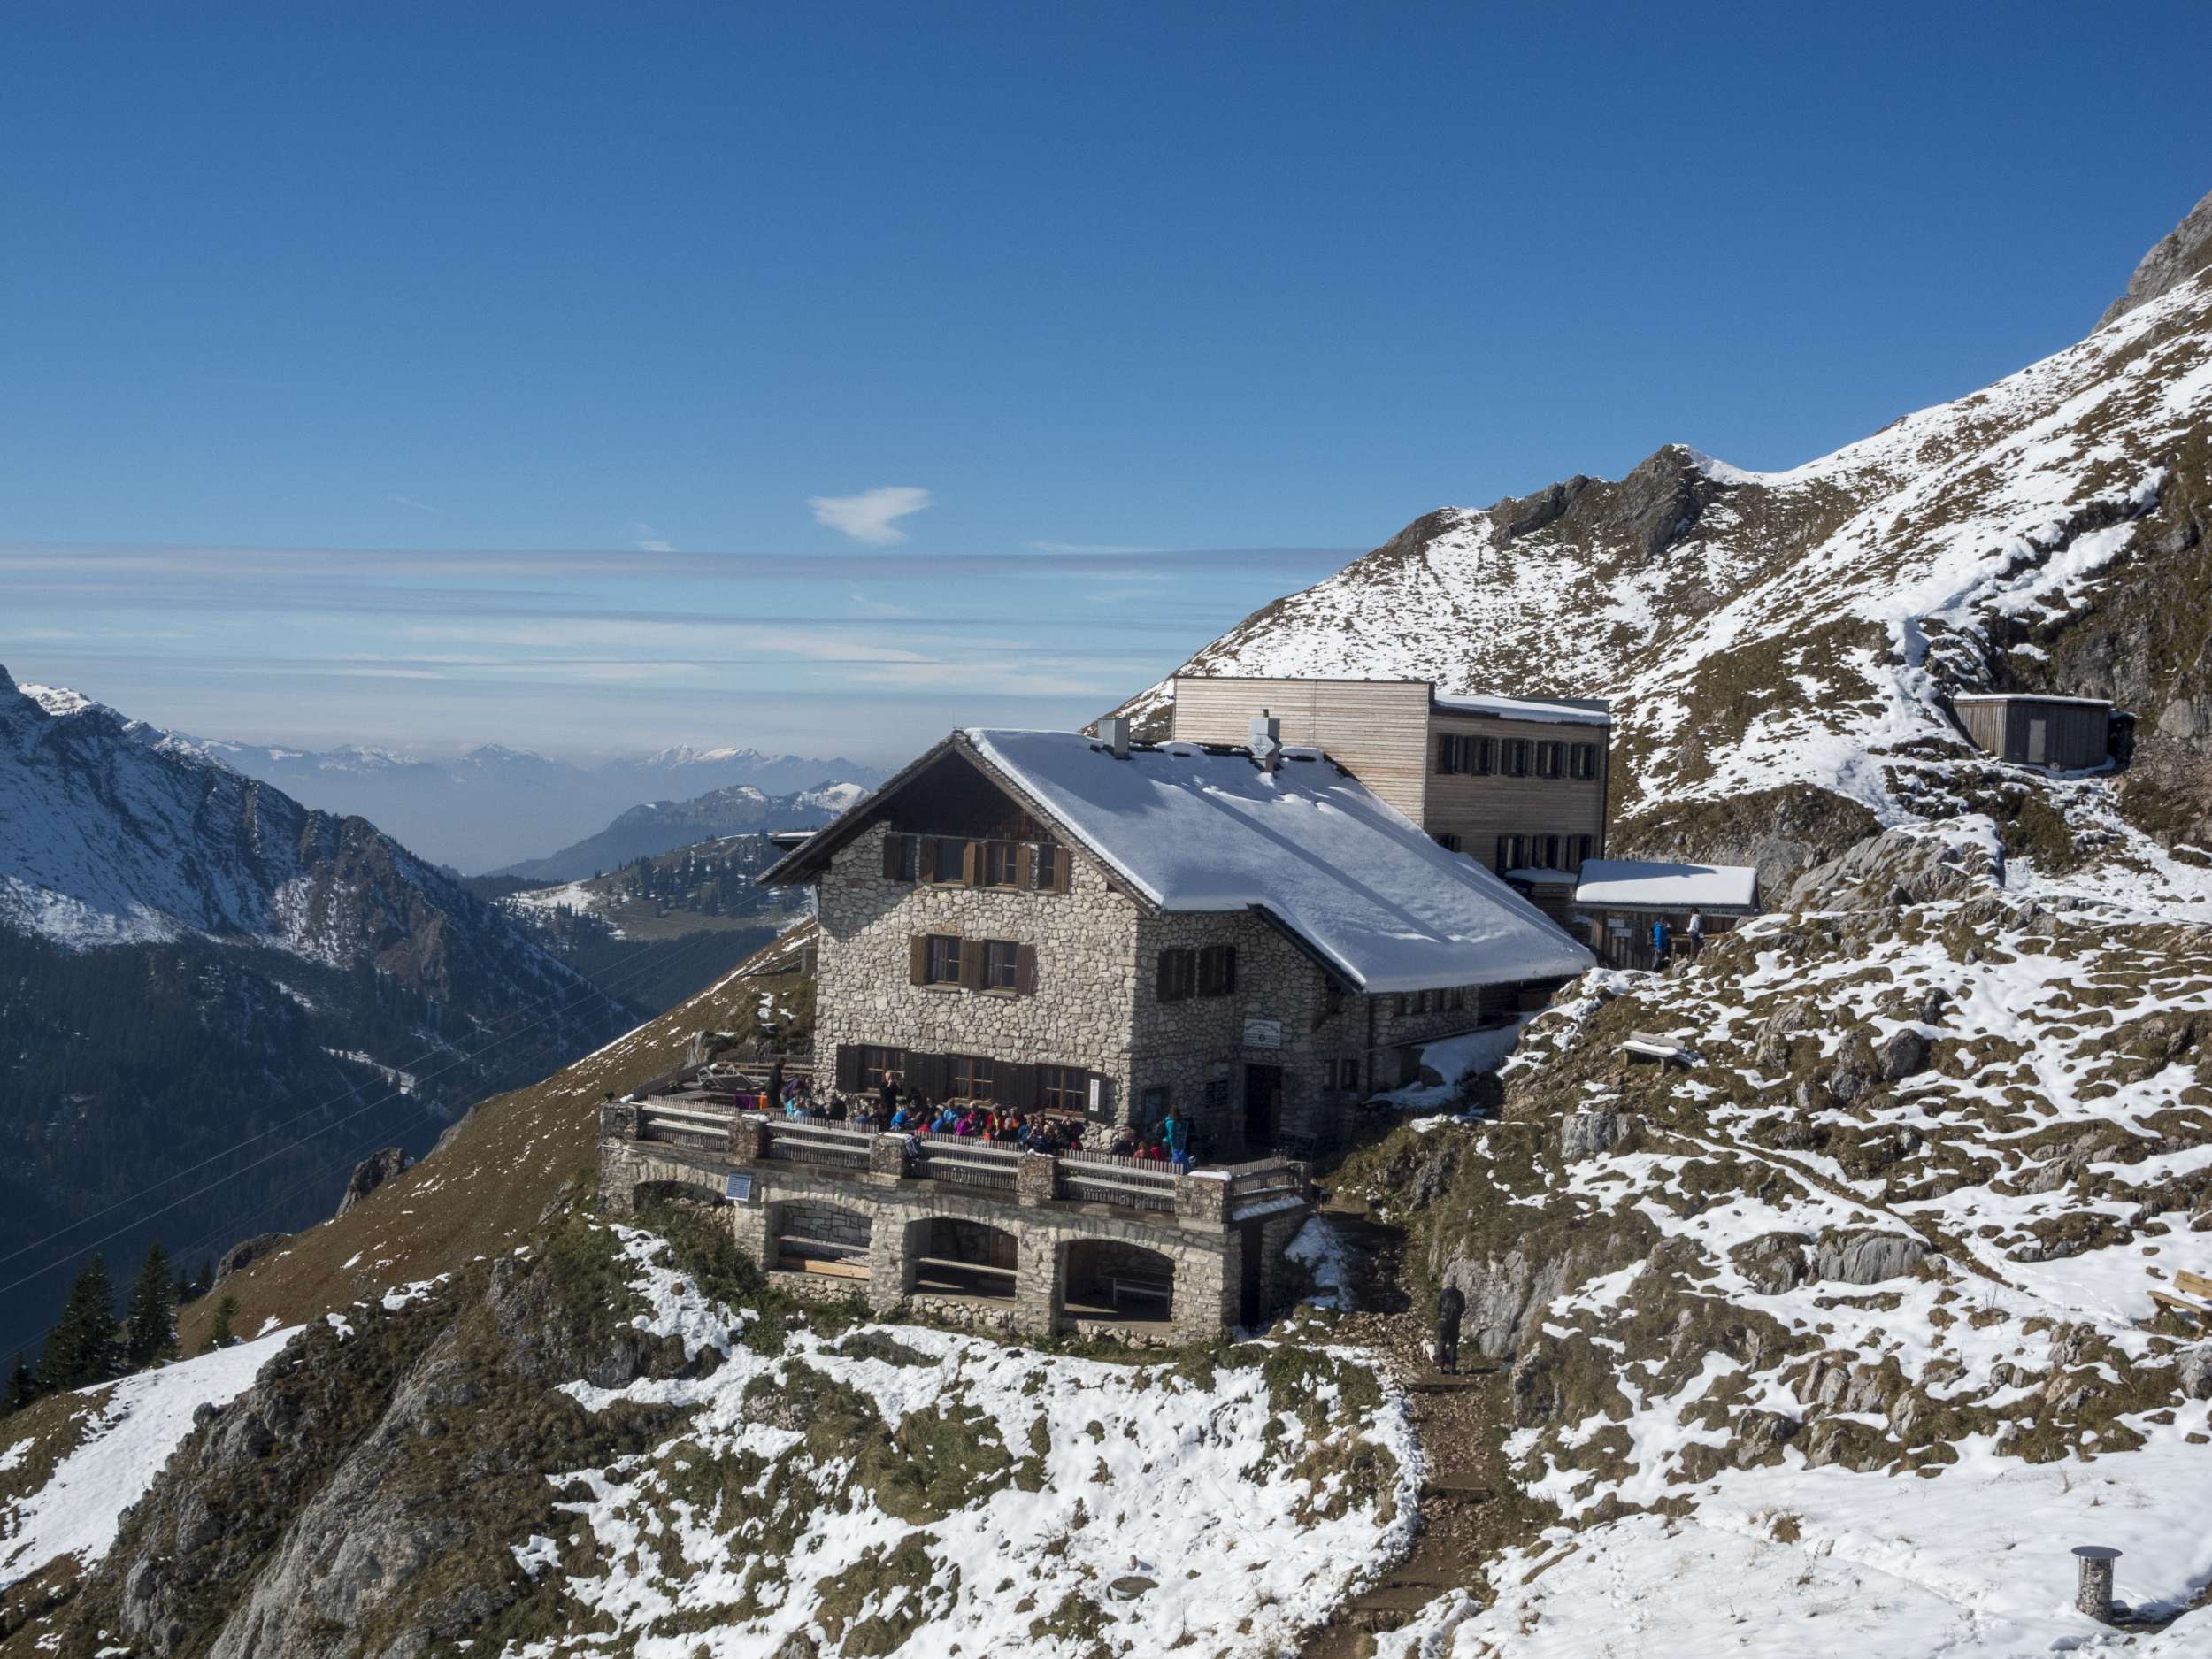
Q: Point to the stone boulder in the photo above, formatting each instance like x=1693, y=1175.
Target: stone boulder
x=1902, y=1053
x=1866, y=1255
x=1773, y=1262
x=371, y=1173
x=2193, y=1370
x=1586, y=1133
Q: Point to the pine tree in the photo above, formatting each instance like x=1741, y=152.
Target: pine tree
x=81, y=1349
x=22, y=1385
x=150, y=1333
x=218, y=1334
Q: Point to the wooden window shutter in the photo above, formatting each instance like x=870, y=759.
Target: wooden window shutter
x=926, y=859
x=895, y=858
x=1443, y=752
x=848, y=1066
x=1025, y=970
x=1025, y=865
x=971, y=864
x=918, y=959
x=1163, y=977
x=1063, y=868
x=1018, y=1086
x=971, y=960
x=1228, y=969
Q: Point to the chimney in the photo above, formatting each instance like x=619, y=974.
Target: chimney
x=1114, y=730
x=1266, y=742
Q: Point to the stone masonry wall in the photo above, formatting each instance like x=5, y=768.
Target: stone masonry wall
x=819, y=1223
x=1086, y=945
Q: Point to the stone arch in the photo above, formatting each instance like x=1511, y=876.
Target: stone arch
x=955, y=1256
x=1114, y=1279
x=815, y=1235
x=679, y=1184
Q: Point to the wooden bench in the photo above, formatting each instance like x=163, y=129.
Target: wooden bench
x=1641, y=1045
x=1140, y=1287
x=2189, y=1285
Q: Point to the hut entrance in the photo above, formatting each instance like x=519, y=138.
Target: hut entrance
x=965, y=1258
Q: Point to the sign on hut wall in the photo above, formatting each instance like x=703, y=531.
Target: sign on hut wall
x=1263, y=1033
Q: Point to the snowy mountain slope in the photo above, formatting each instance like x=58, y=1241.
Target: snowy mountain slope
x=660, y=826
x=493, y=805
x=1851, y=1313
x=1767, y=634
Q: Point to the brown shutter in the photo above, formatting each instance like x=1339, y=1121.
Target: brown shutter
x=1228, y=969
x=971, y=864
x=973, y=954
x=1025, y=970
x=926, y=859
x=848, y=1066
x=1063, y=863
x=895, y=858
x=1025, y=865
x=918, y=959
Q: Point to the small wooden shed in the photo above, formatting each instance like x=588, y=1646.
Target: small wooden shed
x=1619, y=899
x=2030, y=729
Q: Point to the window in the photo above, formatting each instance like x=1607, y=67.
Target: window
x=1347, y=1074
x=1063, y=1088
x=1400, y=1005
x=1460, y=752
x=940, y=961
x=1514, y=757
x=1455, y=998
x=1548, y=760
x=898, y=857
x=1217, y=1095
x=1217, y=970
x=1583, y=845
x=1583, y=761
x=973, y=1077
x=1547, y=851
x=1052, y=868
x=1000, y=865
x=1486, y=756
x=1511, y=852
x=945, y=859
x=1449, y=844
x=1177, y=975
x=875, y=1062
x=1001, y=965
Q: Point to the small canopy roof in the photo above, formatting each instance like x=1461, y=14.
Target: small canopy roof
x=1196, y=828
x=1581, y=713
x=1640, y=883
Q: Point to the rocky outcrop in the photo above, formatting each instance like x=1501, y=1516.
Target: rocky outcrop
x=371, y=1173
x=1772, y=1263
x=1866, y=1255
x=1904, y=866
x=1585, y=1134
x=246, y=1251
x=2173, y=259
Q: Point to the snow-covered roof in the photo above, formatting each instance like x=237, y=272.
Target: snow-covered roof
x=1353, y=876
x=1521, y=709
x=1645, y=883
x=2029, y=696
x=1541, y=876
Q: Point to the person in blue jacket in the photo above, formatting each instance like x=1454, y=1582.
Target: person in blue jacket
x=1176, y=1136
x=1659, y=939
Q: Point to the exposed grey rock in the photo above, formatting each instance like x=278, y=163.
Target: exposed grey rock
x=1584, y=1134
x=2193, y=1370
x=1866, y=1255
x=1779, y=1029
x=2173, y=259
x=1904, y=866
x=1760, y=1437
x=1773, y=1262
x=371, y=1173
x=246, y=1251
x=1902, y=1052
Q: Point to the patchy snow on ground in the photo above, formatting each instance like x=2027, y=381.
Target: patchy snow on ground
x=136, y=1423
x=1320, y=1250
x=1233, y=1511
x=1454, y=1060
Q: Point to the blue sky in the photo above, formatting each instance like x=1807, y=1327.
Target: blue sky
x=558, y=375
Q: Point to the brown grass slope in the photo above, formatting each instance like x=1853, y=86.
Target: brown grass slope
x=491, y=1181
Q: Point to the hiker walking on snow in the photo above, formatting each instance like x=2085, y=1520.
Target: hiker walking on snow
x=1451, y=1306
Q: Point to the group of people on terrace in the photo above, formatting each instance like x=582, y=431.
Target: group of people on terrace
x=895, y=1107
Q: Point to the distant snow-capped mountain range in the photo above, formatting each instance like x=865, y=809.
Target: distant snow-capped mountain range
x=494, y=806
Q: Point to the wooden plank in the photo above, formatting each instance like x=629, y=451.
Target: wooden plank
x=826, y=1270
x=2182, y=1302
x=2195, y=1284
x=964, y=1267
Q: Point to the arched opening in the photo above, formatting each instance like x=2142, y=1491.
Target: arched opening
x=964, y=1259
x=1108, y=1280
x=826, y=1239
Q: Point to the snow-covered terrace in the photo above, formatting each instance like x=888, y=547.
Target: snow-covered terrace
x=1640, y=883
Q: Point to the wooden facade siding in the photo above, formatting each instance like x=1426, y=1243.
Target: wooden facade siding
x=1479, y=808
x=1376, y=729
x=2075, y=734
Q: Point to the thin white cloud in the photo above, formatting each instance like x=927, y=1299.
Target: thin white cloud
x=409, y=500
x=871, y=516
x=645, y=539
x=1087, y=547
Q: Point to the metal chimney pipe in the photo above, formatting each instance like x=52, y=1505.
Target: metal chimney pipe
x=1114, y=730
x=2093, y=1594
x=1266, y=742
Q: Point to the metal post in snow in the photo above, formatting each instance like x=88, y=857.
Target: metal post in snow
x=2093, y=1593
